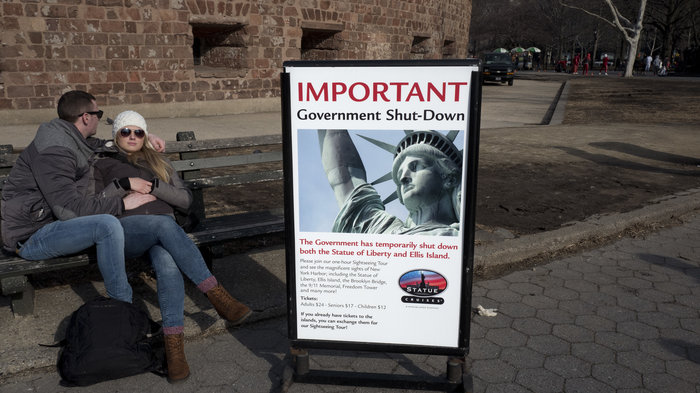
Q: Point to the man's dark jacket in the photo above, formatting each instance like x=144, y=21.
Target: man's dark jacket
x=52, y=180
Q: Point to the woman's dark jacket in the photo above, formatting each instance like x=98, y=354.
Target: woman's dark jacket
x=110, y=168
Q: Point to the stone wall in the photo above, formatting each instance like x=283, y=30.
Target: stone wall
x=198, y=54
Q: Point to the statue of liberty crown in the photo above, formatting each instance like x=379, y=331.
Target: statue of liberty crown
x=444, y=143
x=434, y=139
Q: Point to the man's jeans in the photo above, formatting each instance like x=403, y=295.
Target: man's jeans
x=171, y=251
x=104, y=231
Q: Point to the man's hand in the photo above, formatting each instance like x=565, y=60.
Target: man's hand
x=140, y=185
x=158, y=143
x=134, y=200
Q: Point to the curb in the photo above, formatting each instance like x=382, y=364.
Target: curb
x=558, y=115
x=508, y=253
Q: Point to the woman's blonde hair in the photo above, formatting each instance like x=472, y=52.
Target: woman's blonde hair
x=150, y=159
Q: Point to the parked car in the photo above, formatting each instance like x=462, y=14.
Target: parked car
x=498, y=68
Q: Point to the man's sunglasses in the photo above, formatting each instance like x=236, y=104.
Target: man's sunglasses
x=96, y=113
x=125, y=132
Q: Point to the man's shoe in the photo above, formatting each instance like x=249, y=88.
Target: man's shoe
x=227, y=307
x=178, y=369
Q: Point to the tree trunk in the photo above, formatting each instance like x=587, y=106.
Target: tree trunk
x=633, y=39
x=631, y=55
x=668, y=45
x=595, y=51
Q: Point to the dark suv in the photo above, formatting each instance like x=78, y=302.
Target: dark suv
x=498, y=68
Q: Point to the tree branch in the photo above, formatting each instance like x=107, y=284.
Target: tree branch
x=617, y=16
x=615, y=23
x=587, y=12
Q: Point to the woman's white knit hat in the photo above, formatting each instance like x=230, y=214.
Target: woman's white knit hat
x=128, y=118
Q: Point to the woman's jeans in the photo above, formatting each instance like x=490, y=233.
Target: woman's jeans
x=61, y=238
x=171, y=251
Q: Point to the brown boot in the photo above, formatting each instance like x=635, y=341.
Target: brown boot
x=178, y=369
x=227, y=307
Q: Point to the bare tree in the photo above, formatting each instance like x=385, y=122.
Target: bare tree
x=551, y=16
x=631, y=29
x=545, y=24
x=670, y=18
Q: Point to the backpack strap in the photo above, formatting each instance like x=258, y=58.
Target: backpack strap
x=57, y=344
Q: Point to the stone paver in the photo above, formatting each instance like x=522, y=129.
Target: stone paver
x=627, y=321
x=625, y=317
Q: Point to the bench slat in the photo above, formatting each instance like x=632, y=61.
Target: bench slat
x=215, y=144
x=218, y=162
x=225, y=180
x=220, y=229
x=7, y=160
x=10, y=266
x=236, y=179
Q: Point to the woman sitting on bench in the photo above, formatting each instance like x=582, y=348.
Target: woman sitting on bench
x=151, y=229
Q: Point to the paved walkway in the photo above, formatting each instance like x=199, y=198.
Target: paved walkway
x=525, y=103
x=627, y=311
x=621, y=318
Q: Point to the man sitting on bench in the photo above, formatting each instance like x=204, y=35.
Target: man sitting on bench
x=48, y=205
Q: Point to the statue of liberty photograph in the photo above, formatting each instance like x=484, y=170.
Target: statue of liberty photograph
x=426, y=171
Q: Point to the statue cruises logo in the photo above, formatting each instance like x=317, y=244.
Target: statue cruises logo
x=422, y=286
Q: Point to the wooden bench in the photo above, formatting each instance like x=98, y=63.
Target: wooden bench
x=207, y=166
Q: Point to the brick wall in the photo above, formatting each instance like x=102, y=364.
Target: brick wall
x=134, y=52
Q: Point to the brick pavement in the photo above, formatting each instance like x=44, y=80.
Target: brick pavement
x=621, y=318
x=624, y=317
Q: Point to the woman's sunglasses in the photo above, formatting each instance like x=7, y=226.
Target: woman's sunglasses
x=125, y=132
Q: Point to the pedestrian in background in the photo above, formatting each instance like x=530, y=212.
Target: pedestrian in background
x=587, y=64
x=665, y=67
x=604, y=66
x=647, y=64
x=657, y=65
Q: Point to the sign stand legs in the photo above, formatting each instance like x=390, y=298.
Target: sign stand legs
x=458, y=379
x=301, y=361
x=458, y=371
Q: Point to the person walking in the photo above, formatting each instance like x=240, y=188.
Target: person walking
x=604, y=65
x=587, y=64
x=657, y=65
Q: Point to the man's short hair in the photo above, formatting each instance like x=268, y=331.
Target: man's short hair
x=73, y=104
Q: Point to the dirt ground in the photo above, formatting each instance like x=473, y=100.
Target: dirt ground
x=633, y=100
x=622, y=144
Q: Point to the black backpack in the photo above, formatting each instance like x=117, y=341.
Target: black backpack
x=108, y=339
